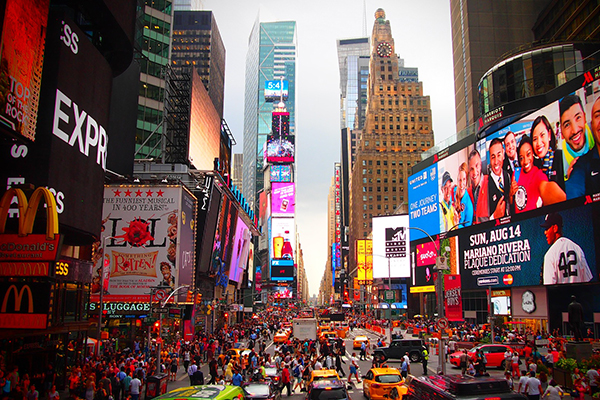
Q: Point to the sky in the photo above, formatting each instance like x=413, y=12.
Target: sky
x=422, y=36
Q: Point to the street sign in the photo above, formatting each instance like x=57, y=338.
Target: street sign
x=160, y=294
x=442, y=323
x=389, y=296
x=160, y=310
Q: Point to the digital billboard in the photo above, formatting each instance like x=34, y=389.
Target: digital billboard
x=186, y=233
x=283, y=199
x=550, y=249
x=282, y=270
x=514, y=170
x=241, y=249
x=281, y=173
x=282, y=238
x=141, y=244
x=223, y=243
x=280, y=149
x=21, y=60
x=391, y=249
x=276, y=90
x=280, y=123
x=364, y=261
x=283, y=292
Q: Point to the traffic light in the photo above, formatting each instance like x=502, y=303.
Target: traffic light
x=156, y=325
x=345, y=296
x=226, y=315
x=190, y=296
x=198, y=298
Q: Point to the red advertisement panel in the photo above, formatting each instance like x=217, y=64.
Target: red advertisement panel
x=453, y=298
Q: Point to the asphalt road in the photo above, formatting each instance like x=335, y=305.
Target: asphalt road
x=364, y=366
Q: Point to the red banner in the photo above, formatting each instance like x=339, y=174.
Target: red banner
x=453, y=298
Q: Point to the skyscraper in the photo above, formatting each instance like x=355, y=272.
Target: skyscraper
x=197, y=43
x=154, y=40
x=396, y=131
x=271, y=56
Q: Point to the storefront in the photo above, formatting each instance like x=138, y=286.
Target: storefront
x=529, y=309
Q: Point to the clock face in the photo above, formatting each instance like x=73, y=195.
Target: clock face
x=384, y=49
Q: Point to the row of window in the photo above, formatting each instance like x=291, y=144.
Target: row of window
x=155, y=47
x=385, y=180
x=412, y=118
x=393, y=143
x=152, y=92
x=385, y=189
x=156, y=25
x=369, y=171
x=412, y=128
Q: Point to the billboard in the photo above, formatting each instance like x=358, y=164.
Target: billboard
x=514, y=170
x=282, y=292
x=280, y=123
x=283, y=199
x=453, y=298
x=223, y=243
x=21, y=60
x=281, y=173
x=186, y=235
x=282, y=270
x=364, y=261
x=282, y=239
x=204, y=127
x=209, y=203
x=553, y=249
x=391, y=247
x=142, y=241
x=276, y=90
x=280, y=149
x=241, y=249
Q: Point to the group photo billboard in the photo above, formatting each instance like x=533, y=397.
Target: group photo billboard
x=553, y=249
x=391, y=248
x=283, y=200
x=140, y=246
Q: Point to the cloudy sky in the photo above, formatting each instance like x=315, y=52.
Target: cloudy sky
x=422, y=35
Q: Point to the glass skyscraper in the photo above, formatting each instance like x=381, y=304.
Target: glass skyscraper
x=353, y=57
x=271, y=56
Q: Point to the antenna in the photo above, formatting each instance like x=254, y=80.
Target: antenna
x=364, y=18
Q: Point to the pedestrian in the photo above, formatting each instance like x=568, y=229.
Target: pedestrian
x=363, y=350
x=353, y=369
x=173, y=369
x=515, y=365
x=32, y=394
x=212, y=368
x=463, y=360
x=53, y=394
x=425, y=358
x=522, y=388
x=404, y=369
x=534, y=387
x=237, y=379
x=553, y=391
x=338, y=364
x=186, y=359
x=286, y=379
x=191, y=370
x=127, y=385
x=135, y=387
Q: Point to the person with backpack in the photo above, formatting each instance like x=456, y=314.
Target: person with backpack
x=363, y=351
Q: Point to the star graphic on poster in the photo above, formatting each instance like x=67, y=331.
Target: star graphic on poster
x=128, y=193
x=138, y=193
x=149, y=193
x=160, y=193
x=117, y=193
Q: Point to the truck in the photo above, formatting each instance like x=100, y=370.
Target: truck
x=305, y=328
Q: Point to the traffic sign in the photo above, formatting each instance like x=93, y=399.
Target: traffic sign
x=390, y=295
x=160, y=310
x=160, y=294
x=442, y=323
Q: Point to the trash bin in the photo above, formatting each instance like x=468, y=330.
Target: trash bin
x=156, y=385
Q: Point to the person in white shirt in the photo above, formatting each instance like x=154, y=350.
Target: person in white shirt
x=534, y=387
x=318, y=365
x=553, y=391
x=134, y=387
x=522, y=388
x=507, y=360
x=593, y=376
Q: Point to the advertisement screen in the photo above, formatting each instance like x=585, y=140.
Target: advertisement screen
x=282, y=292
x=141, y=241
x=280, y=149
x=515, y=170
x=223, y=244
x=276, y=90
x=391, y=247
x=280, y=123
x=282, y=270
x=501, y=305
x=283, y=200
x=364, y=260
x=281, y=173
x=21, y=61
x=186, y=233
x=282, y=239
x=453, y=298
x=553, y=249
x=241, y=249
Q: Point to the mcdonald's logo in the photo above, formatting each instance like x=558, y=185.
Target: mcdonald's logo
x=24, y=306
x=18, y=298
x=25, y=246
x=28, y=210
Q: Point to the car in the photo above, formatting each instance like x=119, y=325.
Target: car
x=459, y=387
x=322, y=374
x=399, y=347
x=235, y=353
x=261, y=391
x=328, y=335
x=358, y=341
x=280, y=337
x=378, y=383
x=272, y=373
x=494, y=354
x=205, y=392
x=327, y=389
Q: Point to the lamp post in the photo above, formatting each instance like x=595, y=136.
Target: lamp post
x=162, y=305
x=101, y=305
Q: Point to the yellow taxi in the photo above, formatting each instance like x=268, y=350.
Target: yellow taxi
x=326, y=335
x=323, y=328
x=280, y=337
x=322, y=374
x=358, y=341
x=379, y=382
x=235, y=354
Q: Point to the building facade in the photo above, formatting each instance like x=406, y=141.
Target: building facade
x=397, y=129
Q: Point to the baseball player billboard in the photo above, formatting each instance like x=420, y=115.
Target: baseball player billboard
x=551, y=249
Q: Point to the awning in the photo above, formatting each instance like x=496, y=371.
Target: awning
x=398, y=305
x=383, y=305
x=346, y=305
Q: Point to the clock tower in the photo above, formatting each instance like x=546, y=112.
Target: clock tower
x=397, y=129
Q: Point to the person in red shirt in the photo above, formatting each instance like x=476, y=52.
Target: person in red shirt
x=286, y=379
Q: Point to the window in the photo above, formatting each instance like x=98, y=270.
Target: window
x=370, y=162
x=370, y=188
x=379, y=189
x=364, y=207
x=385, y=180
x=364, y=180
x=378, y=197
x=364, y=171
x=364, y=198
x=364, y=189
x=379, y=206
x=378, y=162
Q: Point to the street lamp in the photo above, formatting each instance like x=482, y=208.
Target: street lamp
x=162, y=304
x=101, y=306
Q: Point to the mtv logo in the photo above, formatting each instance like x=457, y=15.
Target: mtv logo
x=395, y=234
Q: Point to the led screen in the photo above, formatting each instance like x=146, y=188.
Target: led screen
x=281, y=173
x=391, y=247
x=276, y=90
x=280, y=123
x=241, y=248
x=283, y=200
x=282, y=270
x=282, y=239
x=280, y=149
x=282, y=292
